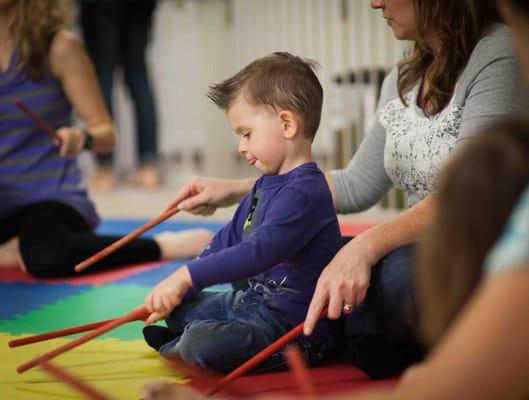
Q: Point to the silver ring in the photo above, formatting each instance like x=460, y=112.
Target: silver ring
x=347, y=308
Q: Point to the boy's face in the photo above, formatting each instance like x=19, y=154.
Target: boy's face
x=261, y=139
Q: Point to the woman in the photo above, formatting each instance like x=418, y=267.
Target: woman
x=484, y=353
x=461, y=75
x=44, y=209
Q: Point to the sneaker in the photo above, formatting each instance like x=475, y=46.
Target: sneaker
x=156, y=336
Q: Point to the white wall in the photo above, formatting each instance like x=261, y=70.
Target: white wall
x=200, y=42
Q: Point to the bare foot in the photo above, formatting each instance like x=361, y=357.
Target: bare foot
x=10, y=254
x=147, y=177
x=183, y=244
x=103, y=181
x=163, y=390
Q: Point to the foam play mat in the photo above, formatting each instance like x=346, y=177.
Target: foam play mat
x=118, y=362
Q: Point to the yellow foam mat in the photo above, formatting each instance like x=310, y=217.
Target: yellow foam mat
x=118, y=368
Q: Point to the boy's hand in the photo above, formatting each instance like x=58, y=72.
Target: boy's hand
x=203, y=195
x=168, y=294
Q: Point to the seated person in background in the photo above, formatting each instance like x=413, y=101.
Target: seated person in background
x=477, y=194
x=281, y=237
x=47, y=219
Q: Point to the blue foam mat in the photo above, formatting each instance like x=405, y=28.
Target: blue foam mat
x=20, y=297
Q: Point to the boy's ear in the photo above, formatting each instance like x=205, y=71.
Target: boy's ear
x=289, y=124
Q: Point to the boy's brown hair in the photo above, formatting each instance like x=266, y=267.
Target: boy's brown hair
x=477, y=193
x=279, y=80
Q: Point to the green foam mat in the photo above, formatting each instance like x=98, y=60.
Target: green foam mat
x=95, y=304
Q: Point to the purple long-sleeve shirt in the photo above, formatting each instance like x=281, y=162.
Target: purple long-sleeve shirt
x=281, y=237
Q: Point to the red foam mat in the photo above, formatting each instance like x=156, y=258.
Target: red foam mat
x=99, y=278
x=353, y=229
x=327, y=380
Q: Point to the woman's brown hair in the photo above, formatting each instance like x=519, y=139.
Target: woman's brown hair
x=35, y=24
x=477, y=191
x=456, y=25
x=520, y=5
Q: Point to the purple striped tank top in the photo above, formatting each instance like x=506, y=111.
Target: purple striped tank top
x=31, y=169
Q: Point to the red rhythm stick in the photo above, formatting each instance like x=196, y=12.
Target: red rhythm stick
x=55, y=334
x=125, y=239
x=76, y=383
x=37, y=120
x=139, y=313
x=260, y=357
x=300, y=371
x=257, y=359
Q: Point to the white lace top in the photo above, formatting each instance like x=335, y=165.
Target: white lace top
x=417, y=146
x=405, y=148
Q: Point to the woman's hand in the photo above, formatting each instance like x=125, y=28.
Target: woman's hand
x=71, y=141
x=203, y=195
x=343, y=283
x=168, y=294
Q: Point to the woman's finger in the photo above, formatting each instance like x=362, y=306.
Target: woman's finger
x=335, y=304
x=319, y=299
x=349, y=300
x=360, y=296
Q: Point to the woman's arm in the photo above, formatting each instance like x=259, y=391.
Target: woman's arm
x=364, y=180
x=71, y=65
x=406, y=228
x=346, y=278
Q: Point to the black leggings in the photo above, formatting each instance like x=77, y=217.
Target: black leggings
x=54, y=238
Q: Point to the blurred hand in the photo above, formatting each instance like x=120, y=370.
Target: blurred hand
x=344, y=281
x=168, y=295
x=203, y=195
x=163, y=390
x=71, y=141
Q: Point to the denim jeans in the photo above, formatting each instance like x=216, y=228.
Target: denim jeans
x=116, y=33
x=380, y=335
x=388, y=307
x=221, y=331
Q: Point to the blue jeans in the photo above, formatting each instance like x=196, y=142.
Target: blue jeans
x=380, y=336
x=116, y=33
x=388, y=308
x=221, y=331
